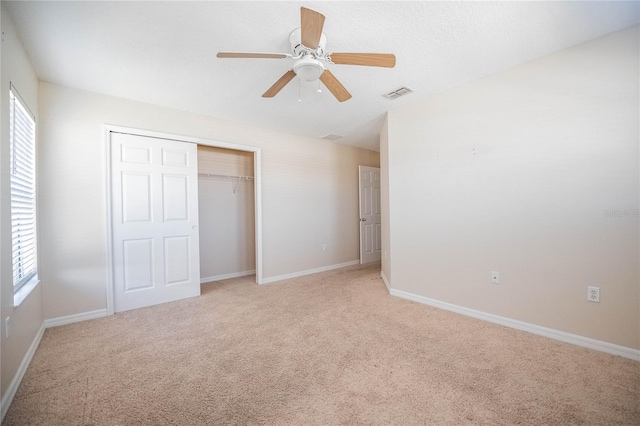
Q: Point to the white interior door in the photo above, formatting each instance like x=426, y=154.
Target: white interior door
x=370, y=230
x=154, y=184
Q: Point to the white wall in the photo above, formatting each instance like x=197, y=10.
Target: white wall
x=27, y=318
x=309, y=191
x=516, y=173
x=226, y=210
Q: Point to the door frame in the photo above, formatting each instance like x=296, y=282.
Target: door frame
x=257, y=174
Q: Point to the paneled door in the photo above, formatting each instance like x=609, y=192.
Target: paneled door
x=370, y=228
x=154, y=199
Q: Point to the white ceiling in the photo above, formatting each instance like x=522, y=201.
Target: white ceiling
x=164, y=52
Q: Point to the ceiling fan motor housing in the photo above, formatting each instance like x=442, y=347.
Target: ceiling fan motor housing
x=299, y=49
x=308, y=67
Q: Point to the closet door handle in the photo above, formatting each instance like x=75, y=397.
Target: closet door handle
x=194, y=227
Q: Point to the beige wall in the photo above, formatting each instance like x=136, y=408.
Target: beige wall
x=384, y=201
x=27, y=318
x=309, y=191
x=226, y=210
x=518, y=173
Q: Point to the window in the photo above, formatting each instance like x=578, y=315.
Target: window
x=22, y=157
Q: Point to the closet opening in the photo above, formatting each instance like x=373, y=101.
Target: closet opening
x=226, y=210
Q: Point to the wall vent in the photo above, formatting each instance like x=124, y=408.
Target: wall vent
x=331, y=137
x=404, y=90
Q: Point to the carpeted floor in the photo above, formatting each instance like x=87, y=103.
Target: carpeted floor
x=330, y=348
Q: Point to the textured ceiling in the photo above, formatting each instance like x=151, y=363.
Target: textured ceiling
x=164, y=52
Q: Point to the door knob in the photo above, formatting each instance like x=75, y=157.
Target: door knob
x=194, y=227
x=364, y=219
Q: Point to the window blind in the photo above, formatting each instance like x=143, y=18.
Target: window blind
x=22, y=157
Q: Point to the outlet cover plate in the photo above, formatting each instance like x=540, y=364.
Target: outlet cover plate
x=593, y=294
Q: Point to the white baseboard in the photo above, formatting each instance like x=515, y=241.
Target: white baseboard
x=227, y=276
x=22, y=369
x=574, y=339
x=386, y=281
x=309, y=272
x=70, y=319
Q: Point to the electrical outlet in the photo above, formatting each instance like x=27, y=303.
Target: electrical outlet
x=495, y=277
x=593, y=294
x=324, y=247
x=7, y=327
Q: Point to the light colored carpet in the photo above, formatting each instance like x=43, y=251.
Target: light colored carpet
x=330, y=348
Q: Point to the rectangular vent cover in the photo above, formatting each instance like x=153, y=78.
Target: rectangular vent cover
x=331, y=137
x=404, y=90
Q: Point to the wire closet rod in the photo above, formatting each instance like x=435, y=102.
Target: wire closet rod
x=211, y=175
x=234, y=179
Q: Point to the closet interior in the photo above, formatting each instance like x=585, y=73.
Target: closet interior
x=226, y=208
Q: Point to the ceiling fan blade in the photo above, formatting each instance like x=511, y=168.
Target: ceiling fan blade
x=334, y=86
x=252, y=55
x=278, y=85
x=387, y=60
x=311, y=23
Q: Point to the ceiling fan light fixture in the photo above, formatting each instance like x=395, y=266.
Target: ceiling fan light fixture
x=308, y=69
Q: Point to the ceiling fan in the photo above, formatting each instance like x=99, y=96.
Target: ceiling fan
x=308, y=50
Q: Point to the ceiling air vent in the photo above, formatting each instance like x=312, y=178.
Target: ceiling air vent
x=331, y=137
x=404, y=90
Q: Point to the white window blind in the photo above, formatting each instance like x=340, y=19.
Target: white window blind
x=22, y=133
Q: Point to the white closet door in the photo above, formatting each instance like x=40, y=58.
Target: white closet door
x=154, y=221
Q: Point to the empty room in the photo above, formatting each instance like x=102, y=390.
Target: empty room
x=326, y=212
